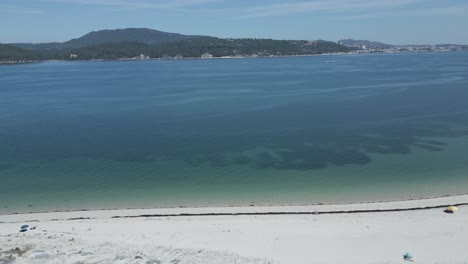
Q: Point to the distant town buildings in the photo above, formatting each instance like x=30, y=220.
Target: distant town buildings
x=410, y=48
x=367, y=46
x=141, y=57
x=206, y=56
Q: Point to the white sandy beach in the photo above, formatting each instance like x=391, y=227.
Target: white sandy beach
x=365, y=237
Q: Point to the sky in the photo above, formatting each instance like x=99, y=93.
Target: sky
x=389, y=21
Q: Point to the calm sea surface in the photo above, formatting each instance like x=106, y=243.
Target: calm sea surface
x=298, y=130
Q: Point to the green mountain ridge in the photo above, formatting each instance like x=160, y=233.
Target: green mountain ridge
x=216, y=47
x=132, y=42
x=143, y=35
x=13, y=54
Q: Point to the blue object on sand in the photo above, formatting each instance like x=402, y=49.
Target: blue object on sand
x=23, y=230
x=24, y=226
x=408, y=255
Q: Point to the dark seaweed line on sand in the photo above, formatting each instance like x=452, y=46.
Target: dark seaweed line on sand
x=296, y=213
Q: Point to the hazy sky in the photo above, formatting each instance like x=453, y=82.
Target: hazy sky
x=391, y=21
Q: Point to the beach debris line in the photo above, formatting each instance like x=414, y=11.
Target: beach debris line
x=314, y=212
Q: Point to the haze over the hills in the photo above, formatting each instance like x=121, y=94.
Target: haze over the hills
x=394, y=22
x=369, y=43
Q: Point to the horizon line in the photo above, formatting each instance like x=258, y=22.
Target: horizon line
x=319, y=39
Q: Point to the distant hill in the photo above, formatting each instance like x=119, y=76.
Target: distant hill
x=143, y=35
x=368, y=43
x=11, y=53
x=216, y=47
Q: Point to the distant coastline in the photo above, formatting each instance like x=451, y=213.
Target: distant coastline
x=144, y=44
x=20, y=62
x=226, y=57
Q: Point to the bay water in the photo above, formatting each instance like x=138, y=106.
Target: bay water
x=221, y=132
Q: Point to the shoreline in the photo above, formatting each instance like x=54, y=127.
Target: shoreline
x=21, y=62
x=228, y=57
x=247, y=205
x=416, y=204
x=184, y=58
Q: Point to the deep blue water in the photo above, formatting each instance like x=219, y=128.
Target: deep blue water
x=74, y=134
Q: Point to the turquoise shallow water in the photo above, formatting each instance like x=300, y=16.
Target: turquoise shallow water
x=295, y=130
